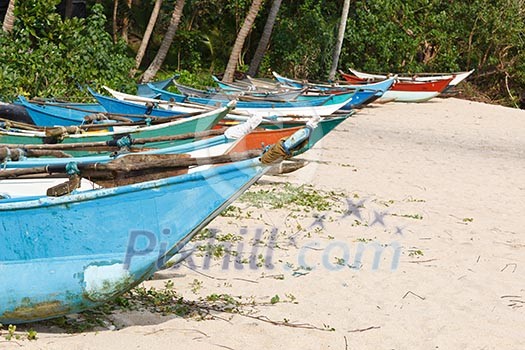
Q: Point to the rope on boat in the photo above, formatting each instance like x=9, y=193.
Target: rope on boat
x=72, y=169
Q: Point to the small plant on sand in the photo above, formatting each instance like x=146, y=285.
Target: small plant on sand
x=196, y=286
x=32, y=334
x=415, y=252
x=340, y=261
x=410, y=216
x=291, y=196
x=11, y=334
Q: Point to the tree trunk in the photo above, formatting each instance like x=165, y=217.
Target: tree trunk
x=125, y=22
x=68, y=13
x=166, y=43
x=239, y=42
x=340, y=38
x=147, y=35
x=9, y=19
x=265, y=39
x=115, y=27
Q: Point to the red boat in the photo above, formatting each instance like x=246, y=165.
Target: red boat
x=407, y=91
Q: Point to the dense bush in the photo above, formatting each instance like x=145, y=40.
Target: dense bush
x=442, y=36
x=47, y=57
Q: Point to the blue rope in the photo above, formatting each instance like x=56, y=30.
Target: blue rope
x=72, y=168
x=124, y=142
x=148, y=121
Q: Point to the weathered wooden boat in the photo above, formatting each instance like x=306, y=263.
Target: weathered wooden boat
x=410, y=91
x=236, y=86
x=381, y=86
x=263, y=83
x=317, y=101
x=237, y=139
x=176, y=126
x=55, y=261
x=58, y=114
x=132, y=104
x=321, y=105
x=360, y=98
x=274, y=96
x=458, y=77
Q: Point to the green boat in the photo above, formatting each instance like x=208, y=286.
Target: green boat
x=194, y=124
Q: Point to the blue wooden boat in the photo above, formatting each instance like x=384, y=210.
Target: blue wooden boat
x=212, y=146
x=144, y=90
x=113, y=105
x=58, y=114
x=274, y=96
x=329, y=104
x=63, y=255
x=382, y=86
x=360, y=98
x=316, y=101
x=191, y=124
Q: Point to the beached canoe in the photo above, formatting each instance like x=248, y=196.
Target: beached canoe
x=58, y=114
x=318, y=106
x=123, y=103
x=62, y=255
x=242, y=105
x=458, y=77
x=229, y=143
x=275, y=96
x=193, y=124
x=410, y=91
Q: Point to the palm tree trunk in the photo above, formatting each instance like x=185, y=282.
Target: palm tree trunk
x=115, y=27
x=339, y=42
x=265, y=39
x=239, y=42
x=166, y=43
x=147, y=35
x=9, y=19
x=125, y=22
x=68, y=13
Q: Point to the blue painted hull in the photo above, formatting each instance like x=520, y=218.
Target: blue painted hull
x=382, y=86
x=57, y=115
x=112, y=105
x=359, y=98
x=185, y=148
x=167, y=95
x=67, y=254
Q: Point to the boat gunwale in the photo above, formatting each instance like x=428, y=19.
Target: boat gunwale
x=21, y=203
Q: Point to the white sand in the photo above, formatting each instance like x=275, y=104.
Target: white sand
x=457, y=168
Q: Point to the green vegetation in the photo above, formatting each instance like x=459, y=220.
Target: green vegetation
x=291, y=196
x=409, y=216
x=12, y=334
x=48, y=56
x=415, y=252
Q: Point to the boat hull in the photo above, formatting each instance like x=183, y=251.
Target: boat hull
x=182, y=126
x=56, y=261
x=57, y=114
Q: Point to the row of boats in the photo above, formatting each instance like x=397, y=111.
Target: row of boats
x=94, y=198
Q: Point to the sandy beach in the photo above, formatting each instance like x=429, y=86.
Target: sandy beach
x=406, y=230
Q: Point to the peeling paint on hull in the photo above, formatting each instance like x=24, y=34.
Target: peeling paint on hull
x=51, y=245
